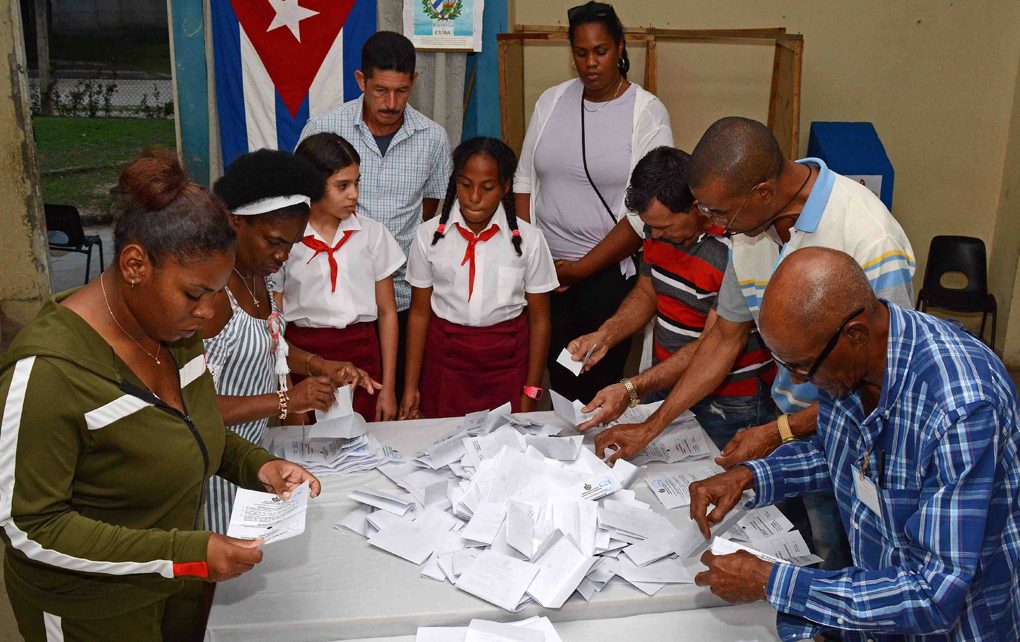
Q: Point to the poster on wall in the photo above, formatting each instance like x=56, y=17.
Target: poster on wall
x=444, y=25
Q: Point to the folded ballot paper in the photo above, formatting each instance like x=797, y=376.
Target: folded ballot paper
x=337, y=443
x=788, y=547
x=268, y=516
x=506, y=510
x=533, y=629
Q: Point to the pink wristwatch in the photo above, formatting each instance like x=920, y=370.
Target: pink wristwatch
x=534, y=392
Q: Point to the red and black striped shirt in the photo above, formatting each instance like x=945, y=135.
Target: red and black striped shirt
x=686, y=282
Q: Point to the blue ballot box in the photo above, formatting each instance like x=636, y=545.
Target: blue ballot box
x=855, y=151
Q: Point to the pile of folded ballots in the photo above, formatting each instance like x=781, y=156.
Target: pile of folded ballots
x=508, y=510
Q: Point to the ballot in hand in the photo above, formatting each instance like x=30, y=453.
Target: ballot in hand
x=229, y=557
x=722, y=491
x=589, y=349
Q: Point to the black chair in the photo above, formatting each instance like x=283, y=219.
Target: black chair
x=64, y=232
x=964, y=255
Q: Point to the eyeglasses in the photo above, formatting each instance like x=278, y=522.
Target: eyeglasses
x=590, y=9
x=716, y=215
x=829, y=347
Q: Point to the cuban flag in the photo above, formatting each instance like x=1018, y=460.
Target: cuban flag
x=278, y=62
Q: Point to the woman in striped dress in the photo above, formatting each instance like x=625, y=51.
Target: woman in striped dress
x=269, y=194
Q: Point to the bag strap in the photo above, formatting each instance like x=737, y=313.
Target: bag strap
x=609, y=210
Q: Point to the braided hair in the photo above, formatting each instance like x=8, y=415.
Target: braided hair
x=506, y=163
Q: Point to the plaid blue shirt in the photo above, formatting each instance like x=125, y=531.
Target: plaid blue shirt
x=941, y=562
x=417, y=165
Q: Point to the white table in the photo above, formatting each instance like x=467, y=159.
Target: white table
x=329, y=584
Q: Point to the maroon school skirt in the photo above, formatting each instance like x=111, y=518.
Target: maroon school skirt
x=467, y=369
x=358, y=343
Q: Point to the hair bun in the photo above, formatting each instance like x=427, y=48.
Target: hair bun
x=154, y=179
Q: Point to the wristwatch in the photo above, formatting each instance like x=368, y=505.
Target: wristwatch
x=534, y=392
x=784, y=428
x=631, y=390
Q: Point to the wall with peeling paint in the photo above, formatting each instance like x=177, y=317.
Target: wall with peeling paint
x=24, y=271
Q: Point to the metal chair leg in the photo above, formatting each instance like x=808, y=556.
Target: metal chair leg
x=88, y=264
x=102, y=264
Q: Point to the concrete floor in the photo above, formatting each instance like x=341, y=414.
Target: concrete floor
x=67, y=270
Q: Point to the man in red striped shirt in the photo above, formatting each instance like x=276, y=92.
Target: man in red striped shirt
x=682, y=269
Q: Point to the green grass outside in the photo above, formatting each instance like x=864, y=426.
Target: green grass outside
x=74, y=142
x=151, y=54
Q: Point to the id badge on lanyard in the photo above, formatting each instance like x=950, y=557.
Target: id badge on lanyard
x=865, y=489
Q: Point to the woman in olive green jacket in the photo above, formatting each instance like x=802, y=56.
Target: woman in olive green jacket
x=110, y=429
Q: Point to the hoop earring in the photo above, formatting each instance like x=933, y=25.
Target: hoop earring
x=620, y=64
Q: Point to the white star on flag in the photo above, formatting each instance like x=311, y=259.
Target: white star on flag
x=289, y=14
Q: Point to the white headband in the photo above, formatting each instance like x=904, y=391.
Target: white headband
x=272, y=203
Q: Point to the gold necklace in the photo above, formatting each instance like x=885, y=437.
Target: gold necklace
x=154, y=357
x=251, y=291
x=605, y=104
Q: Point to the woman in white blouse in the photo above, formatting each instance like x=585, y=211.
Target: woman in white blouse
x=585, y=137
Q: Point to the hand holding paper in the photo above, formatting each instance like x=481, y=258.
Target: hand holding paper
x=267, y=517
x=739, y=577
x=589, y=349
x=229, y=557
x=342, y=406
x=723, y=491
x=606, y=406
x=284, y=477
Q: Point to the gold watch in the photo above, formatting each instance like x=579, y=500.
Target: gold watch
x=784, y=428
x=632, y=391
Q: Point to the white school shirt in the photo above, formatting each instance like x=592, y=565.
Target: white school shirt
x=369, y=255
x=501, y=277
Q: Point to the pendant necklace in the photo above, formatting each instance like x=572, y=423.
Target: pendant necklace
x=250, y=290
x=154, y=357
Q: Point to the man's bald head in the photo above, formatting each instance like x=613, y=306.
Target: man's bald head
x=738, y=151
x=810, y=292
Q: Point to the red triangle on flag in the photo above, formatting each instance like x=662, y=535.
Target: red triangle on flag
x=292, y=65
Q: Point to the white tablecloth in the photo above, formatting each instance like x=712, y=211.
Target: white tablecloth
x=329, y=584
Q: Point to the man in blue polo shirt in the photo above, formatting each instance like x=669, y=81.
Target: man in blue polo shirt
x=773, y=206
x=919, y=435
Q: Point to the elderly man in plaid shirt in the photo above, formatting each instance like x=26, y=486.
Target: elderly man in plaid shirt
x=918, y=436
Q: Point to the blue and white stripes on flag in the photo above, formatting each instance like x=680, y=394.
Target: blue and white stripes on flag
x=278, y=62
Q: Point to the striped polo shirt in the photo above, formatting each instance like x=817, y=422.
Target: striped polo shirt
x=841, y=214
x=686, y=282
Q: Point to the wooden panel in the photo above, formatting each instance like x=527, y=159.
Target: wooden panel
x=651, y=70
x=559, y=32
x=784, y=97
x=511, y=92
x=784, y=101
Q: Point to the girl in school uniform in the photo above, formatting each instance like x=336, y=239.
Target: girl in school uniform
x=478, y=327
x=337, y=285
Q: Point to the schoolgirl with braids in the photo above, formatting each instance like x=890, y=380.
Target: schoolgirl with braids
x=478, y=326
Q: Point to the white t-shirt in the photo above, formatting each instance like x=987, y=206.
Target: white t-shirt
x=501, y=277
x=369, y=255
